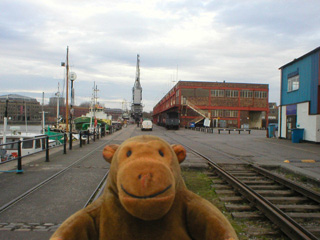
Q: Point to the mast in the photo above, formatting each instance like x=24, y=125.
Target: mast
x=67, y=93
x=58, y=102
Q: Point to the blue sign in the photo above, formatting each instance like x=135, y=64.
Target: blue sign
x=292, y=109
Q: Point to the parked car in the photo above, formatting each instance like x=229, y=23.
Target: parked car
x=146, y=125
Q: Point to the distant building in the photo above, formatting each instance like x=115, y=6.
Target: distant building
x=300, y=97
x=20, y=108
x=236, y=105
x=273, y=113
x=116, y=113
x=53, y=101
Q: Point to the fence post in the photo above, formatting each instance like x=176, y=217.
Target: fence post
x=47, y=148
x=80, y=138
x=65, y=144
x=19, y=167
x=70, y=140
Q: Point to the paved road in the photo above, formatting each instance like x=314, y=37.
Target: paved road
x=52, y=204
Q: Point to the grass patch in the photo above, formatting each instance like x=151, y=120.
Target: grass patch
x=201, y=184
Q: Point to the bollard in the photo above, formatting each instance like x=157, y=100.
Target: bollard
x=70, y=140
x=98, y=133
x=65, y=144
x=94, y=135
x=80, y=137
x=47, y=148
x=19, y=167
x=88, y=136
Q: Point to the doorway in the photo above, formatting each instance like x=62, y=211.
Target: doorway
x=291, y=123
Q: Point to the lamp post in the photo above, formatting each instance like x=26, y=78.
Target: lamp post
x=73, y=77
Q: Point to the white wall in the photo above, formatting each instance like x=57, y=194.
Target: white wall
x=310, y=123
x=283, y=122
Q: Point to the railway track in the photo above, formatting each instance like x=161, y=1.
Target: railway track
x=251, y=192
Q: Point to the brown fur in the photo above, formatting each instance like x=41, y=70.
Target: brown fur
x=146, y=198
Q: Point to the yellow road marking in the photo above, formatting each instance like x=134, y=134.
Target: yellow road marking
x=308, y=161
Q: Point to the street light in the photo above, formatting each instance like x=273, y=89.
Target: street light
x=72, y=77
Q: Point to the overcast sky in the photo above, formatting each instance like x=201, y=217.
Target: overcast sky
x=194, y=40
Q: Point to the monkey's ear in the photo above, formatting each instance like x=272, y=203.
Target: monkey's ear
x=109, y=151
x=180, y=152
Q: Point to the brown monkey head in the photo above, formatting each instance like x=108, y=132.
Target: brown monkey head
x=146, y=173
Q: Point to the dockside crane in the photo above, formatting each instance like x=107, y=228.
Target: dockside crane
x=136, y=107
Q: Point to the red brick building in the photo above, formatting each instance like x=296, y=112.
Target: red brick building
x=238, y=105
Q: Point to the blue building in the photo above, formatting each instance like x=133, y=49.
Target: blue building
x=300, y=97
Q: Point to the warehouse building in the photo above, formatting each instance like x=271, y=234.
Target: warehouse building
x=227, y=105
x=300, y=97
x=20, y=108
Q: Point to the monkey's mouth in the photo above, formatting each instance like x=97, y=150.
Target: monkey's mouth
x=148, y=196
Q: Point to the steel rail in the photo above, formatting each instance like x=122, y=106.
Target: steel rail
x=98, y=191
x=41, y=184
x=287, y=225
x=304, y=191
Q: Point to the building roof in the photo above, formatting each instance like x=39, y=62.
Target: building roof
x=299, y=58
x=16, y=97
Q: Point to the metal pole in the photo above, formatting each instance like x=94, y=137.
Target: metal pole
x=47, y=148
x=70, y=140
x=80, y=138
x=65, y=144
x=19, y=167
x=5, y=121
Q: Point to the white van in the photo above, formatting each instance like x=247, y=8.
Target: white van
x=146, y=125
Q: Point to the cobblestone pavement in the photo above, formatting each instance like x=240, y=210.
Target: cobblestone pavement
x=27, y=227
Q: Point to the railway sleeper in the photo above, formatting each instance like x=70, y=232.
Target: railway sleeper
x=243, y=173
x=227, y=192
x=288, y=200
x=267, y=187
x=304, y=217
x=299, y=208
x=248, y=215
x=269, y=232
x=261, y=182
x=276, y=193
x=234, y=167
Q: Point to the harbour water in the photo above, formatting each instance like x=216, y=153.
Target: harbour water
x=22, y=128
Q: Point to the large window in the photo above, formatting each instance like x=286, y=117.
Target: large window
x=217, y=93
x=293, y=83
x=231, y=113
x=232, y=93
x=217, y=113
x=260, y=94
x=246, y=94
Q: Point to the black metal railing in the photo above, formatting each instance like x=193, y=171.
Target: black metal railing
x=60, y=140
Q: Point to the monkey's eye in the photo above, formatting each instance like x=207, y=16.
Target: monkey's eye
x=129, y=153
x=161, y=153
